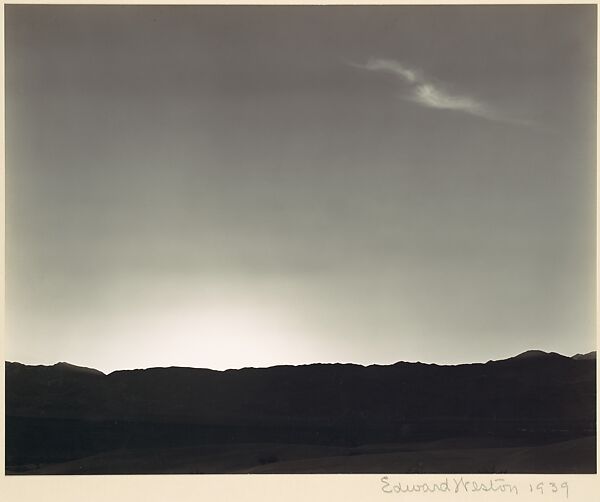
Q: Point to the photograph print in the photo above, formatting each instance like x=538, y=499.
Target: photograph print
x=300, y=239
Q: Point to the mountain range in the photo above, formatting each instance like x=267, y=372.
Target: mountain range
x=58, y=414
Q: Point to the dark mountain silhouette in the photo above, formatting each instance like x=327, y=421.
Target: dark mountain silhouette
x=76, y=369
x=61, y=413
x=534, y=354
x=589, y=355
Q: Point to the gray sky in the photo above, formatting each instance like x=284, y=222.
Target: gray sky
x=248, y=186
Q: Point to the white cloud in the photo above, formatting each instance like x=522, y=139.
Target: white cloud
x=426, y=93
x=390, y=66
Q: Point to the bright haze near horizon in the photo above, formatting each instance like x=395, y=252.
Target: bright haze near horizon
x=237, y=186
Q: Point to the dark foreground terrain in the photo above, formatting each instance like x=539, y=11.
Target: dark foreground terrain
x=534, y=413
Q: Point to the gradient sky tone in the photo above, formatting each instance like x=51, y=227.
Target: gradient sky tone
x=248, y=186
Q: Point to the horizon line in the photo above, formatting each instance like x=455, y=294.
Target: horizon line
x=529, y=351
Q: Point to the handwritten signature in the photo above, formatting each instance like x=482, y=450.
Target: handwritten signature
x=463, y=485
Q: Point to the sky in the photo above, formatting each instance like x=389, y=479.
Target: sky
x=231, y=186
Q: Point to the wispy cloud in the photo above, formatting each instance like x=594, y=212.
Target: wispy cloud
x=391, y=66
x=432, y=95
x=429, y=95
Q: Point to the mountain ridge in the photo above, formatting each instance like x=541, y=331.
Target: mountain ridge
x=528, y=354
x=63, y=412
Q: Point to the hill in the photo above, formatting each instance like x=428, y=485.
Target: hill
x=60, y=413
